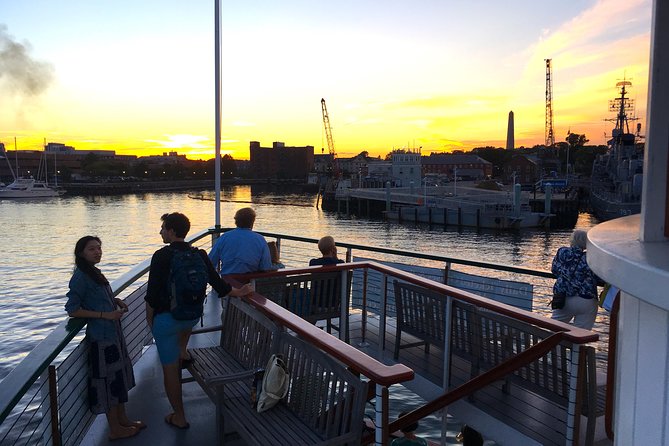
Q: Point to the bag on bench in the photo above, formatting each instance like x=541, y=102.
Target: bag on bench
x=274, y=383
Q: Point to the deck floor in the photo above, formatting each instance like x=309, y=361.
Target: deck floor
x=149, y=402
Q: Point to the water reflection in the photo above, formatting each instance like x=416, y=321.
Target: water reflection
x=39, y=238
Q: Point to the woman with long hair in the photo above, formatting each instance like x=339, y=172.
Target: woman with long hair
x=110, y=374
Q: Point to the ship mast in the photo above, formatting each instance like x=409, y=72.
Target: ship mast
x=621, y=105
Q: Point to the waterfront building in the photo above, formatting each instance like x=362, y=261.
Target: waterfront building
x=523, y=169
x=379, y=172
x=322, y=162
x=354, y=166
x=69, y=163
x=406, y=167
x=467, y=165
x=280, y=161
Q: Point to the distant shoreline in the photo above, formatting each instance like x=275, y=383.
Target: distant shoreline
x=125, y=187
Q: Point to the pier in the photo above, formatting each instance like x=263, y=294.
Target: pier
x=458, y=205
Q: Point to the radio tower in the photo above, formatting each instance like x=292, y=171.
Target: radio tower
x=549, y=135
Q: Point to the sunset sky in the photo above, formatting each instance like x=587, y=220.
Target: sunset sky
x=138, y=76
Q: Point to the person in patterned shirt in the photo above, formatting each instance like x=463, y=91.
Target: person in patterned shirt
x=578, y=283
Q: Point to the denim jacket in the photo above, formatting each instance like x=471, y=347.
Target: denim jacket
x=87, y=294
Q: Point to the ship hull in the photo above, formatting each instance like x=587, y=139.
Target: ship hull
x=605, y=209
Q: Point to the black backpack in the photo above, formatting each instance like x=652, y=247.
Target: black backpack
x=187, y=286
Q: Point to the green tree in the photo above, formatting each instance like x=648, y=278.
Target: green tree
x=228, y=166
x=576, y=140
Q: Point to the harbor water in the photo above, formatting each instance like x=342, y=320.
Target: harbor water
x=39, y=237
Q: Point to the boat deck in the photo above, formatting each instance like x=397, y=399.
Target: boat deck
x=149, y=402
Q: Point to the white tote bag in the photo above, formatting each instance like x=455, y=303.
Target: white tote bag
x=274, y=383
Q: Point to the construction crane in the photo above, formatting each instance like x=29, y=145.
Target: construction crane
x=334, y=169
x=548, y=133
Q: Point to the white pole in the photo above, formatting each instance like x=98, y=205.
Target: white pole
x=425, y=192
x=217, y=94
x=46, y=164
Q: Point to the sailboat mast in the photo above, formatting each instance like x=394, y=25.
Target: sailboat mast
x=16, y=159
x=10, y=164
x=46, y=162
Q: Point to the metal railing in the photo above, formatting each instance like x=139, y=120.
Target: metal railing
x=43, y=399
x=533, y=352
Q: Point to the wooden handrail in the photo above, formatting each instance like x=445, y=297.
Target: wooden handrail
x=525, y=357
x=571, y=333
x=358, y=361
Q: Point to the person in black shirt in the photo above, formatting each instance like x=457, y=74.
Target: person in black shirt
x=327, y=247
x=171, y=335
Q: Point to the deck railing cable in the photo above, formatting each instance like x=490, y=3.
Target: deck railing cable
x=24, y=408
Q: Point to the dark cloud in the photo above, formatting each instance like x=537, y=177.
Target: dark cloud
x=23, y=75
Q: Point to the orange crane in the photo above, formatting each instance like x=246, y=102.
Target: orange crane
x=334, y=168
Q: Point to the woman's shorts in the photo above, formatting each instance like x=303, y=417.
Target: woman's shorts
x=166, y=331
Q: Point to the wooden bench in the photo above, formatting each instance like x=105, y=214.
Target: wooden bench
x=485, y=339
x=325, y=402
x=420, y=313
x=312, y=296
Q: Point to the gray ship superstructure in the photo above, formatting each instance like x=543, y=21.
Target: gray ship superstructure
x=617, y=175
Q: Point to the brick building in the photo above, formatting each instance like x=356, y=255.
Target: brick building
x=280, y=161
x=466, y=164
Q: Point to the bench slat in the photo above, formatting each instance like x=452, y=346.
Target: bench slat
x=325, y=401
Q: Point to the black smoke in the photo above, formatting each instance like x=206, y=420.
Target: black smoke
x=23, y=75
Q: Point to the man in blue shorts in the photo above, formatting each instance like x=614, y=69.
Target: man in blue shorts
x=171, y=335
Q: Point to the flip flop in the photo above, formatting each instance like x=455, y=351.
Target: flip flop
x=137, y=425
x=168, y=420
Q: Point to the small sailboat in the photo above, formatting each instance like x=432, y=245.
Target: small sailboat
x=30, y=187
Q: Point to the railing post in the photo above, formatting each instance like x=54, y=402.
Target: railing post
x=572, y=411
x=53, y=406
x=448, y=320
x=343, y=310
x=381, y=434
x=363, y=343
x=382, y=315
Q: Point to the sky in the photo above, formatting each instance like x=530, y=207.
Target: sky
x=137, y=77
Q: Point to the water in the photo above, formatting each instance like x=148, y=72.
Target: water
x=39, y=237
